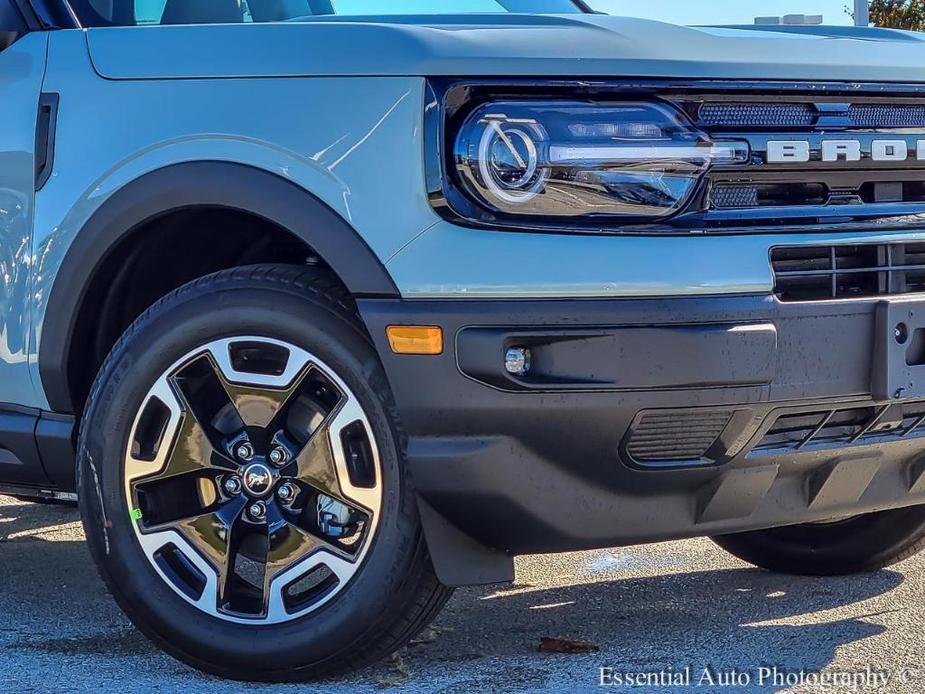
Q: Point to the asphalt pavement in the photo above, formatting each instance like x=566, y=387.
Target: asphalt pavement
x=682, y=613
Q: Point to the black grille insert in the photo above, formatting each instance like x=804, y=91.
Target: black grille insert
x=813, y=273
x=750, y=195
x=887, y=115
x=744, y=114
x=731, y=196
x=720, y=114
x=843, y=426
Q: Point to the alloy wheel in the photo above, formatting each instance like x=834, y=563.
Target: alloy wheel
x=252, y=477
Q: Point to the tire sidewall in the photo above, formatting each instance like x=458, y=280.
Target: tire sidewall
x=864, y=543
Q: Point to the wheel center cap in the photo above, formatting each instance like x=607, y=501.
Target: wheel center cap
x=257, y=479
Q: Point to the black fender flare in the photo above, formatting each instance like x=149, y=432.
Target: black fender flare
x=185, y=185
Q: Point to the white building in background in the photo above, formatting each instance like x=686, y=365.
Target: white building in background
x=811, y=19
x=861, y=16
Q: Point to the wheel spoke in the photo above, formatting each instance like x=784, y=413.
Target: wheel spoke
x=192, y=450
x=182, y=481
x=200, y=388
x=216, y=536
x=315, y=464
x=260, y=406
x=323, y=462
x=288, y=544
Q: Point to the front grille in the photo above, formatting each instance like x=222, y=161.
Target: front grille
x=672, y=437
x=813, y=273
x=740, y=196
x=756, y=115
x=887, y=115
x=855, y=158
x=750, y=195
x=720, y=114
x=818, y=192
x=846, y=426
x=729, y=197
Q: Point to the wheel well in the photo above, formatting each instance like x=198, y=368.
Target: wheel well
x=156, y=258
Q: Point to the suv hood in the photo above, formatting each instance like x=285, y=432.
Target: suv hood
x=509, y=46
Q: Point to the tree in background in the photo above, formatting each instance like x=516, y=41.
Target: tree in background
x=898, y=14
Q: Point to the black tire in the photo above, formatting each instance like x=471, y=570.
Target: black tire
x=394, y=593
x=855, y=545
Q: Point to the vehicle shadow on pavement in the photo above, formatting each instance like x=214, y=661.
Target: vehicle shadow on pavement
x=723, y=619
x=52, y=600
x=730, y=618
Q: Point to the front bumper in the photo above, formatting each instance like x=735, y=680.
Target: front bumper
x=648, y=419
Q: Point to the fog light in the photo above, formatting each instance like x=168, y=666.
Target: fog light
x=517, y=361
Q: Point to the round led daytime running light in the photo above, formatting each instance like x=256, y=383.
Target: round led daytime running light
x=506, y=136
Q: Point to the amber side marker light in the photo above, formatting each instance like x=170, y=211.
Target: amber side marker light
x=415, y=339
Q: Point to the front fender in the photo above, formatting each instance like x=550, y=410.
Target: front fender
x=181, y=186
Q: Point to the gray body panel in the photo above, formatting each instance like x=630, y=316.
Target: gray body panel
x=22, y=67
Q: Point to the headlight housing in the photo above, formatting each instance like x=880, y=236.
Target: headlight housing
x=584, y=160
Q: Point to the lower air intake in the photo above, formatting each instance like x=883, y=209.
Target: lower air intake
x=812, y=273
x=664, y=438
x=844, y=426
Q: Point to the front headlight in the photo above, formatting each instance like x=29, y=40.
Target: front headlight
x=584, y=159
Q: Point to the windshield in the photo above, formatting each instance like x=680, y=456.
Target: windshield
x=358, y=7
x=141, y=12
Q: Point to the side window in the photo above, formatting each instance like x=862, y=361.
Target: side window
x=149, y=11
x=191, y=11
x=12, y=25
x=102, y=9
x=103, y=12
